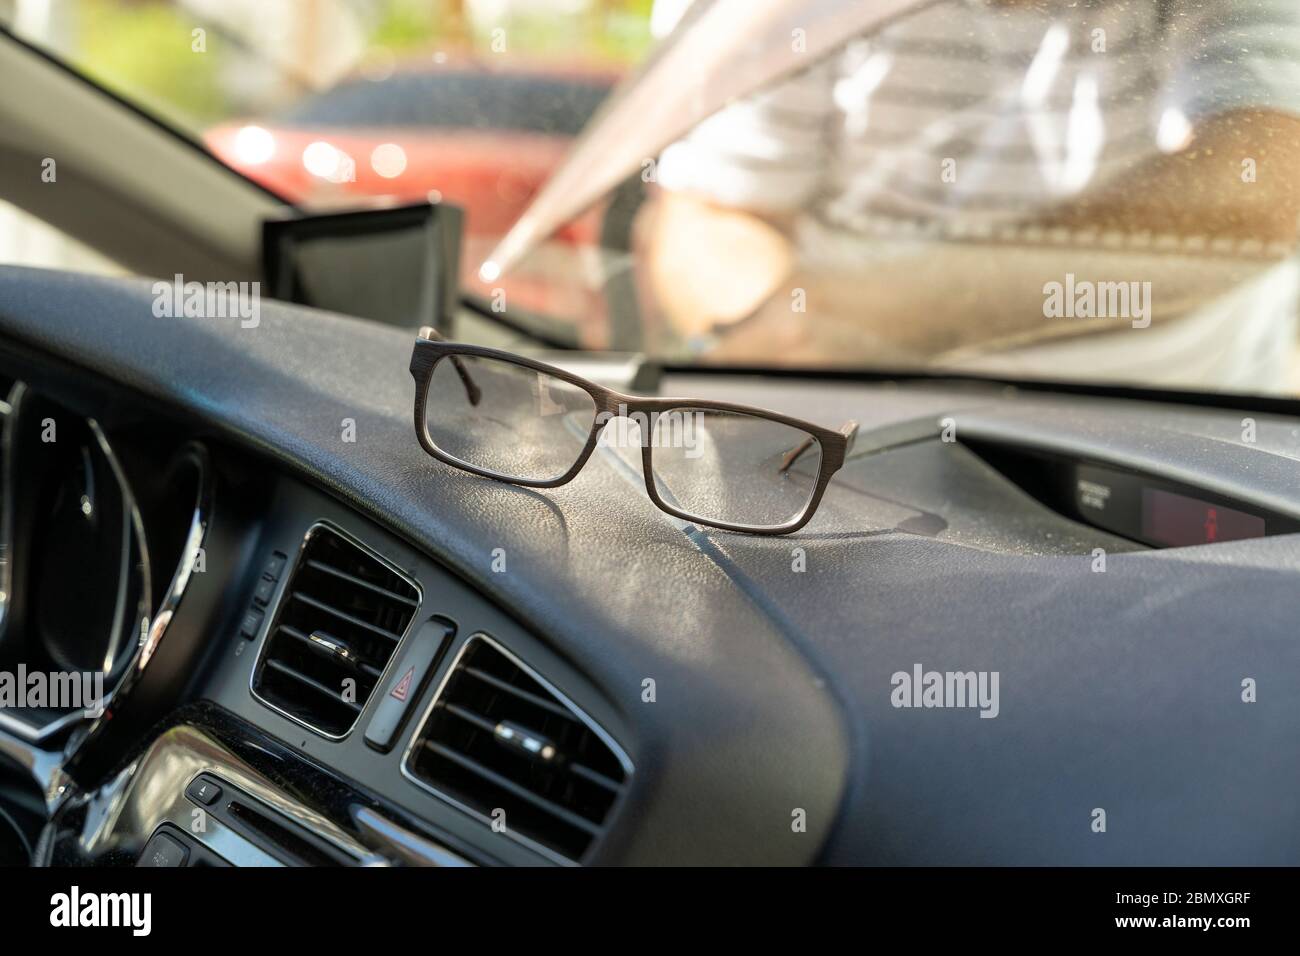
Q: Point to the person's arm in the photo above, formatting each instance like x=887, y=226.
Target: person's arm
x=1238, y=177
x=718, y=231
x=1235, y=80
x=711, y=265
x=1196, y=191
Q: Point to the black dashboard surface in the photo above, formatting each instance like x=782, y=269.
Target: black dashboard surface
x=1119, y=690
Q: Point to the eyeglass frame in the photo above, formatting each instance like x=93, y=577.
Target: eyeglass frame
x=430, y=348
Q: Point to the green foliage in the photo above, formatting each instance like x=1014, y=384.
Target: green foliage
x=144, y=52
x=142, y=49
x=407, y=26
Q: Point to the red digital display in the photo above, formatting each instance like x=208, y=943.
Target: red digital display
x=1177, y=521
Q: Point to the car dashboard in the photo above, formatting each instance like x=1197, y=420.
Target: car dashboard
x=331, y=692
x=321, y=647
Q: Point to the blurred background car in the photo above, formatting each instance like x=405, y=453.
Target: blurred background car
x=484, y=139
x=336, y=104
x=464, y=132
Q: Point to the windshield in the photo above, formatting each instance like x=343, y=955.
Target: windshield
x=1077, y=190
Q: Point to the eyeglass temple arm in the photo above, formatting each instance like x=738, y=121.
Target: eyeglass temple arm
x=849, y=430
x=472, y=391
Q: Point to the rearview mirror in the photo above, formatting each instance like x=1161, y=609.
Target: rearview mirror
x=396, y=266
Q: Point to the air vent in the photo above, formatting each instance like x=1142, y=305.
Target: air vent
x=500, y=738
x=341, y=616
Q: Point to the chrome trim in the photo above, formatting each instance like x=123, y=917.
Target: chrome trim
x=34, y=734
x=272, y=620
x=6, y=497
x=200, y=518
x=581, y=714
x=45, y=766
x=121, y=638
x=338, y=650
x=400, y=842
x=151, y=790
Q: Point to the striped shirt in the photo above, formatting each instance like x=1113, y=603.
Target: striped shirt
x=975, y=114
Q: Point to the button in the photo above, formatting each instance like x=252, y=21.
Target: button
x=404, y=683
x=274, y=566
x=251, y=624
x=163, y=850
x=203, y=791
x=262, y=593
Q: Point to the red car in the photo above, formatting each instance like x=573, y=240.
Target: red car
x=483, y=139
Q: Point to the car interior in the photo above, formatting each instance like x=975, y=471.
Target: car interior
x=318, y=645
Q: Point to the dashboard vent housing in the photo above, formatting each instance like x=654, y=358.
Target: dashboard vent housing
x=499, y=737
x=341, y=617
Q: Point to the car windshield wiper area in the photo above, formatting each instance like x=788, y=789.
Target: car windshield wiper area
x=540, y=329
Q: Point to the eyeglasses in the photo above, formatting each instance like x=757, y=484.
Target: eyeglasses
x=512, y=419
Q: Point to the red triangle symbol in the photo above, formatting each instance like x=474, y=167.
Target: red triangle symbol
x=404, y=685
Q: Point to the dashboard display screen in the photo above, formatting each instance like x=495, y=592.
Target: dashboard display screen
x=1176, y=521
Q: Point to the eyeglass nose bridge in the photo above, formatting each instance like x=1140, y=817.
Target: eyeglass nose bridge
x=619, y=412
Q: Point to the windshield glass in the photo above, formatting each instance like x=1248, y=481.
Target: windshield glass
x=1080, y=190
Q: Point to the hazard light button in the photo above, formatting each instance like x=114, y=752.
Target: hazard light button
x=405, y=679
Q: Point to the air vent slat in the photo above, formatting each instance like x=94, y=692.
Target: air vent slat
x=313, y=684
x=599, y=779
x=334, y=633
x=500, y=738
x=359, y=582
x=477, y=720
x=343, y=615
x=353, y=660
x=501, y=685
x=506, y=784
